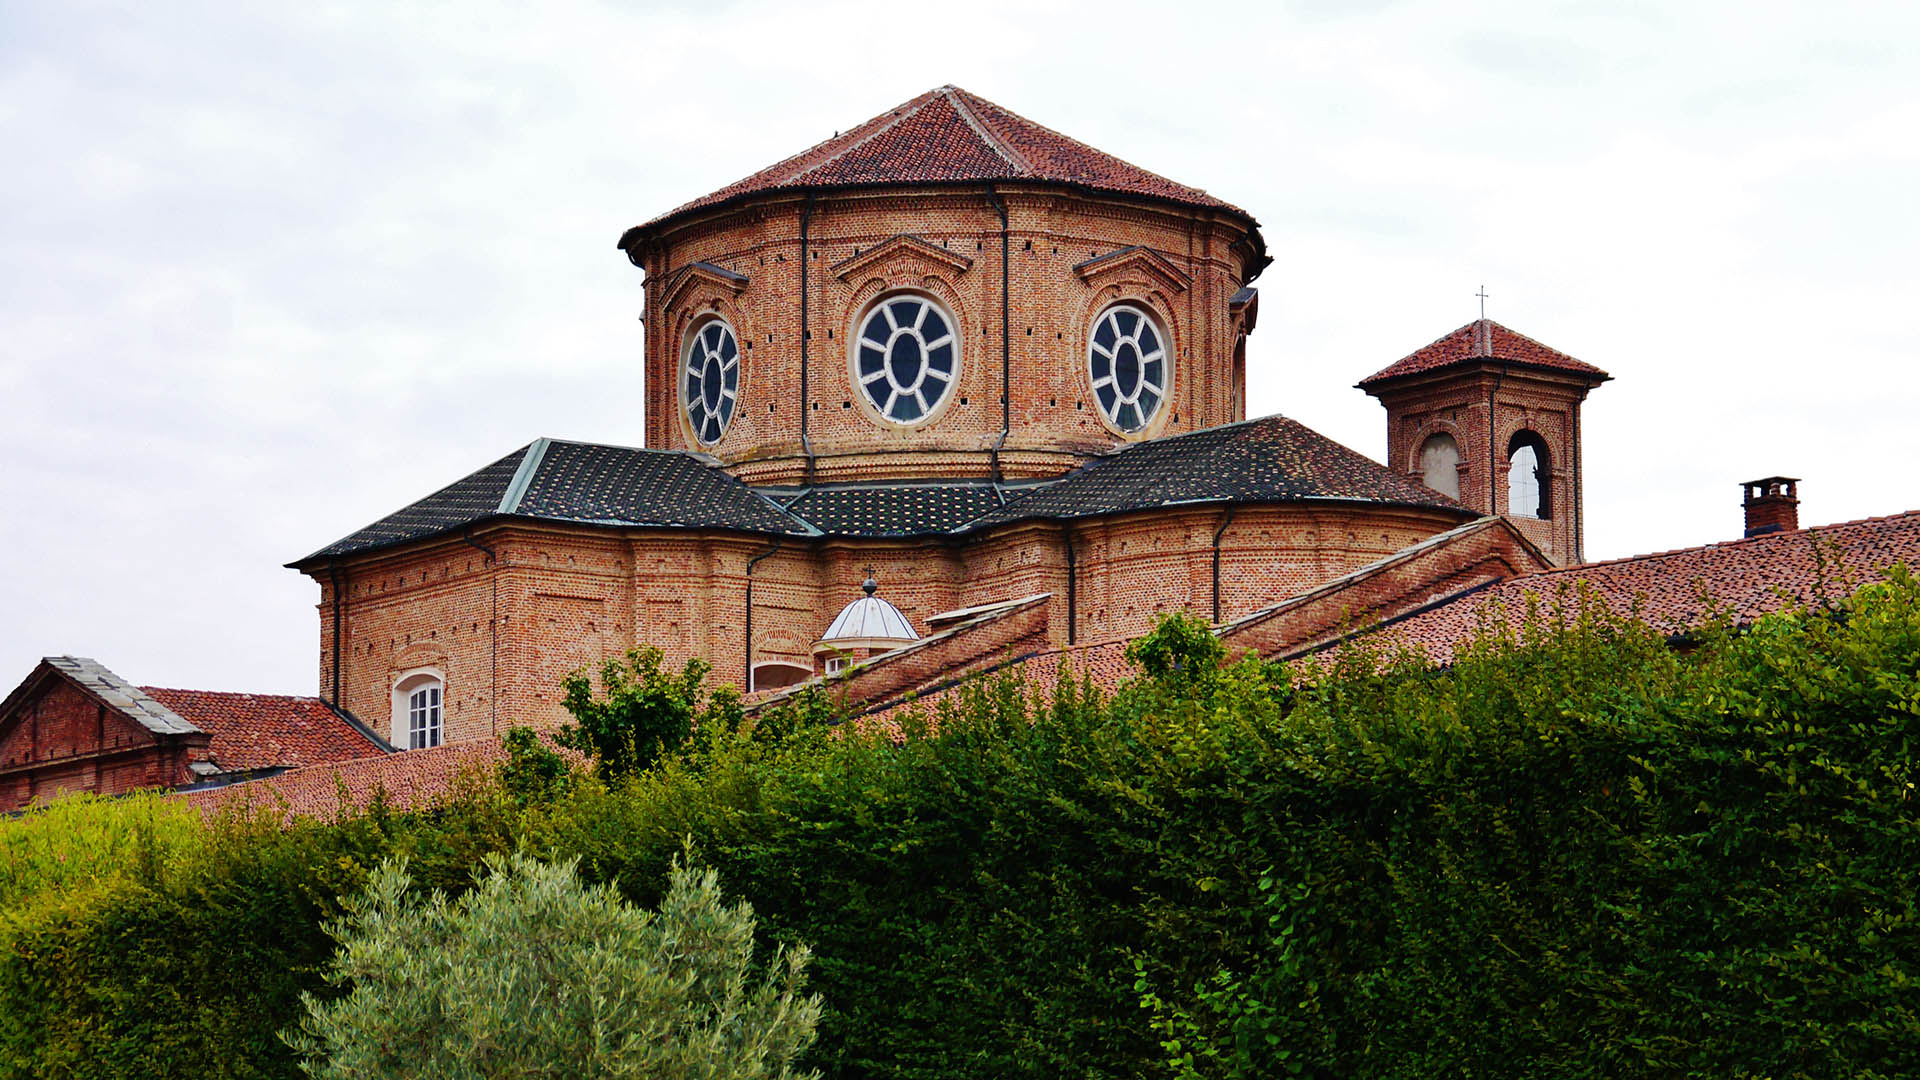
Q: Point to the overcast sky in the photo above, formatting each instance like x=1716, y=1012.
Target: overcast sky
x=271, y=271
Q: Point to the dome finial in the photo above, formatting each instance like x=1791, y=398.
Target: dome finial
x=870, y=586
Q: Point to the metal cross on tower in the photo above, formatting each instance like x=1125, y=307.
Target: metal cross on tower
x=1482, y=294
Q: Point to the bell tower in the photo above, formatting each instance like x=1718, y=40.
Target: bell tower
x=1491, y=418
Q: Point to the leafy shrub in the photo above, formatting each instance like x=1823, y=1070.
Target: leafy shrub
x=1576, y=852
x=534, y=975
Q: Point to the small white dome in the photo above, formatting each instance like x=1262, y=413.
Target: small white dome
x=869, y=619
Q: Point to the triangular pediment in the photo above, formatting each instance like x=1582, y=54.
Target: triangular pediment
x=696, y=273
x=906, y=251
x=131, y=715
x=1134, y=262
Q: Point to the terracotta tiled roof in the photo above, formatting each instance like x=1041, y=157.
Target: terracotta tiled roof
x=1271, y=459
x=257, y=731
x=948, y=136
x=1104, y=662
x=1674, y=590
x=1484, y=339
x=412, y=778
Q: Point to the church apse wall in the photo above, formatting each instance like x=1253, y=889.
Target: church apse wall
x=502, y=633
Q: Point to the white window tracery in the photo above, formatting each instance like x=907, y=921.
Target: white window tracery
x=1128, y=366
x=906, y=358
x=710, y=380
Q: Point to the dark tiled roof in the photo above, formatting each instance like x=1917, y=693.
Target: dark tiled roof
x=1484, y=339
x=463, y=502
x=1268, y=460
x=1673, y=590
x=255, y=731
x=949, y=136
x=618, y=485
x=905, y=510
x=580, y=482
x=1272, y=459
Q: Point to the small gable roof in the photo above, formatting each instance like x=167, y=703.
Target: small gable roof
x=1271, y=459
x=1483, y=340
x=947, y=136
x=97, y=680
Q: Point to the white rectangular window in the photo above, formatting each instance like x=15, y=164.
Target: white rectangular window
x=423, y=718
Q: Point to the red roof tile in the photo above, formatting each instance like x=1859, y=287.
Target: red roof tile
x=410, y=779
x=1104, y=662
x=256, y=731
x=1483, y=339
x=1674, y=590
x=949, y=136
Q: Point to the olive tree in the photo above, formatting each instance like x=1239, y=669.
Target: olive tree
x=533, y=974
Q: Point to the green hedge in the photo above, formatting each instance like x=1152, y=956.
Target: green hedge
x=1577, y=852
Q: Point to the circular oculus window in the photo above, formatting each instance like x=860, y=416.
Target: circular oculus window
x=1128, y=365
x=710, y=380
x=906, y=358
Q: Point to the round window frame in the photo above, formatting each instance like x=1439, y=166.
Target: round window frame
x=1154, y=422
x=857, y=328
x=693, y=332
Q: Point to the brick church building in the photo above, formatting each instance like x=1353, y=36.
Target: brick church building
x=961, y=354
x=947, y=387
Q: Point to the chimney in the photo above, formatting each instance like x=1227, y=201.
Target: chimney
x=1773, y=505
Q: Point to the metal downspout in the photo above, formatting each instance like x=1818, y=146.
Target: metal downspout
x=1006, y=344
x=1217, y=534
x=746, y=684
x=806, y=340
x=1073, y=591
x=333, y=575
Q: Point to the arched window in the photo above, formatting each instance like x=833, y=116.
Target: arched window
x=773, y=674
x=1440, y=464
x=1528, y=476
x=1129, y=367
x=906, y=358
x=710, y=380
x=419, y=702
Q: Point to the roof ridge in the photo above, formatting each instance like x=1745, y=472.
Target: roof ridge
x=892, y=119
x=1064, y=137
x=232, y=693
x=523, y=475
x=957, y=97
x=791, y=177
x=1738, y=541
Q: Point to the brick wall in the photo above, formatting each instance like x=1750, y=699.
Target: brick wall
x=61, y=739
x=1456, y=402
x=1051, y=309
x=560, y=598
